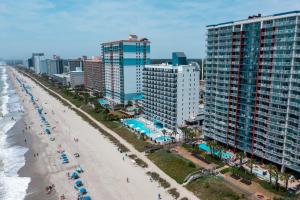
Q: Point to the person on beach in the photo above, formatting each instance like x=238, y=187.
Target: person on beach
x=158, y=196
x=25, y=140
x=127, y=179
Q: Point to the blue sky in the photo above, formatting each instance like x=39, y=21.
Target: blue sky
x=72, y=28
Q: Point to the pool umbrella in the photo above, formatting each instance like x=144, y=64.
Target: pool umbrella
x=87, y=198
x=82, y=191
x=78, y=183
x=74, y=175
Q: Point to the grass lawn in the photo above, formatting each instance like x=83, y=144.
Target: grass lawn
x=172, y=164
x=212, y=188
x=282, y=192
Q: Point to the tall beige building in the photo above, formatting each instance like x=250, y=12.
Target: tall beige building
x=94, y=75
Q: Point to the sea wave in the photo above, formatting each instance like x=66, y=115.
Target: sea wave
x=12, y=157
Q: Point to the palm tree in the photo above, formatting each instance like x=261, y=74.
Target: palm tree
x=251, y=163
x=241, y=156
x=285, y=177
x=210, y=144
x=270, y=169
x=276, y=173
x=220, y=150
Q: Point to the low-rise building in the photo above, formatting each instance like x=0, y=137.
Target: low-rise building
x=171, y=92
x=76, y=78
x=63, y=79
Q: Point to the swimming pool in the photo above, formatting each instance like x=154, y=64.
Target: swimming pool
x=103, y=102
x=138, y=125
x=225, y=155
x=163, y=138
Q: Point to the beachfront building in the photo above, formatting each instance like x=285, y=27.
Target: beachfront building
x=171, y=92
x=76, y=78
x=94, y=75
x=74, y=64
x=253, y=86
x=36, y=59
x=123, y=62
x=63, y=79
x=51, y=66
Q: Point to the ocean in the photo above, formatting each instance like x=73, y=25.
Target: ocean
x=12, y=155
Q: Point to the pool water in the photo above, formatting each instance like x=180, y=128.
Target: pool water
x=163, y=138
x=225, y=155
x=138, y=125
x=102, y=101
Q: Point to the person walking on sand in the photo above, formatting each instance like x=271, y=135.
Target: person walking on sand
x=127, y=179
x=158, y=196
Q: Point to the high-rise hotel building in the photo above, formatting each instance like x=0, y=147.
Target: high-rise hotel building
x=123, y=62
x=252, y=99
x=171, y=92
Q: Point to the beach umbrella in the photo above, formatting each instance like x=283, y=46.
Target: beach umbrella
x=87, y=198
x=79, y=169
x=82, y=191
x=74, y=175
x=78, y=183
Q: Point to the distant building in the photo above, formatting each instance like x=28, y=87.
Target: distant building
x=171, y=92
x=123, y=62
x=51, y=66
x=75, y=64
x=94, y=75
x=30, y=63
x=36, y=59
x=63, y=79
x=76, y=78
x=44, y=64
x=55, y=67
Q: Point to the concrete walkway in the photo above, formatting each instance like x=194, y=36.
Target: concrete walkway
x=151, y=166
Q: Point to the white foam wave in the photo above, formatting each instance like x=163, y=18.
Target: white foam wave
x=4, y=94
x=12, y=159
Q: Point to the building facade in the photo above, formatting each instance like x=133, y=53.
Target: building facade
x=76, y=78
x=75, y=64
x=171, y=93
x=94, y=75
x=36, y=59
x=253, y=86
x=123, y=62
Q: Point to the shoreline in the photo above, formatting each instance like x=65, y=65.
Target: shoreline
x=32, y=169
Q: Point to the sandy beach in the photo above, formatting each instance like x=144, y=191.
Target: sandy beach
x=106, y=169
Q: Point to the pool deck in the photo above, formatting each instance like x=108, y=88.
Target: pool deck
x=150, y=130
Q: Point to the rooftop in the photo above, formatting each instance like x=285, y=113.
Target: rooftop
x=131, y=38
x=257, y=17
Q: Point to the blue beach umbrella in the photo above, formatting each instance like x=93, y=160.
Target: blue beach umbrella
x=74, y=175
x=87, y=198
x=78, y=183
x=82, y=191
